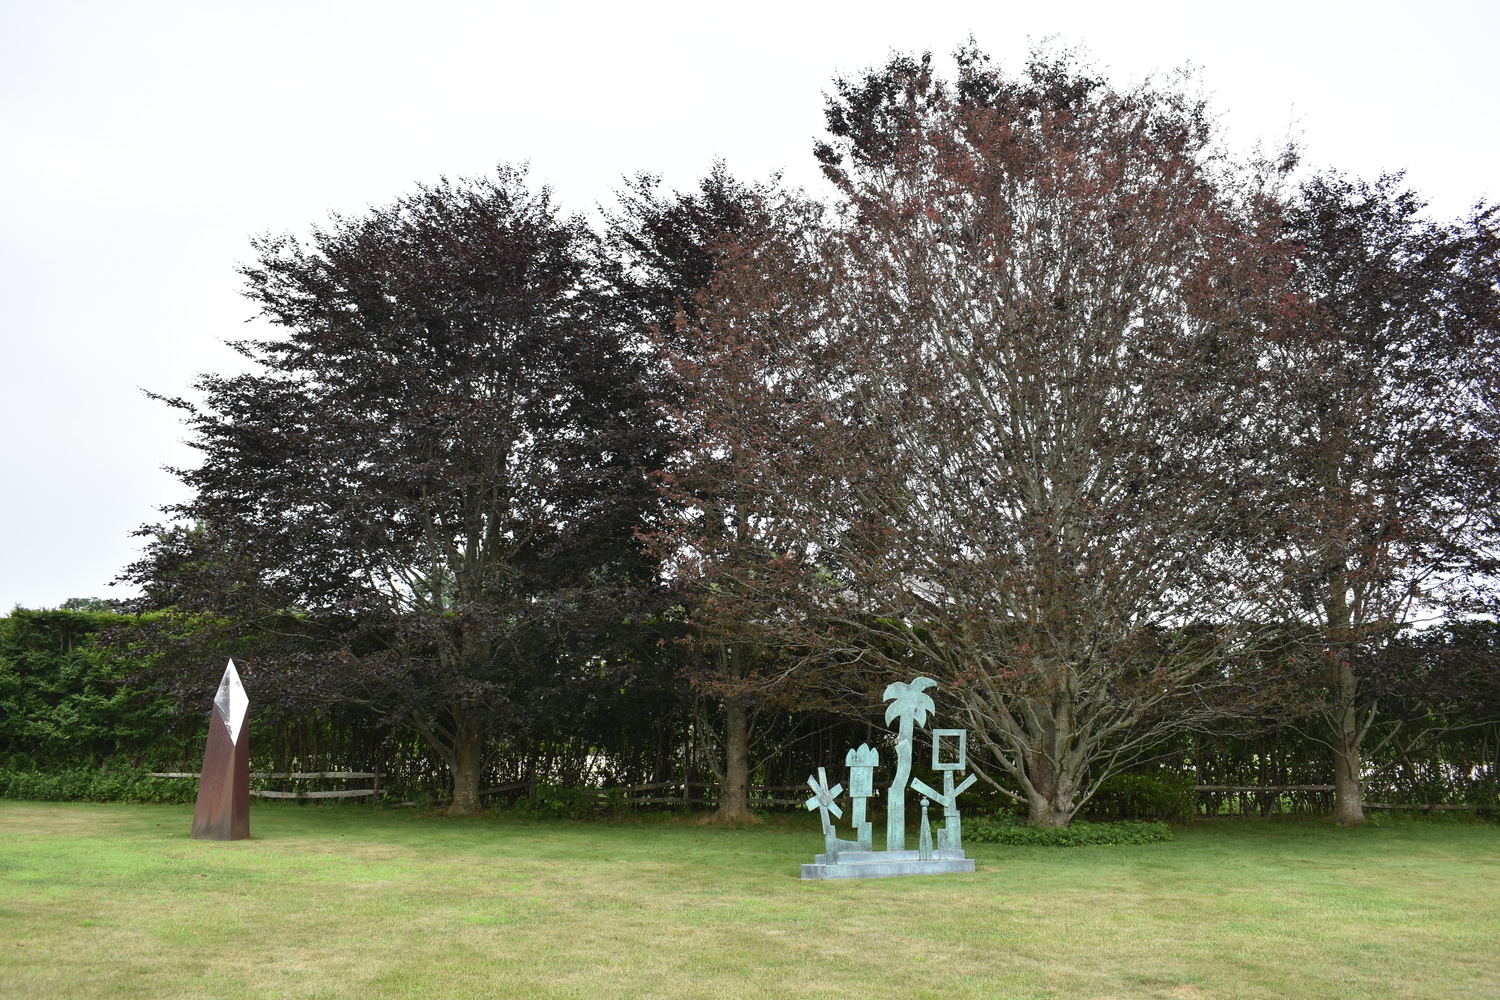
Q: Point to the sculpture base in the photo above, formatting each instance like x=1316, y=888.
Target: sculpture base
x=886, y=864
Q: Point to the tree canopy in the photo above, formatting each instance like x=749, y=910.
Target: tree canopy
x=1052, y=399
x=438, y=462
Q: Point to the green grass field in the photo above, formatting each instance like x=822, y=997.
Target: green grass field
x=116, y=901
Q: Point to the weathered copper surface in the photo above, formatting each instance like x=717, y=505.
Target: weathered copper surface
x=951, y=836
x=909, y=708
x=862, y=763
x=856, y=859
x=223, y=808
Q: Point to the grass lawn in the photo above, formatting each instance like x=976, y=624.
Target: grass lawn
x=116, y=901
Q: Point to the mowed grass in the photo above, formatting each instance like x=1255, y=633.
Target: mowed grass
x=116, y=901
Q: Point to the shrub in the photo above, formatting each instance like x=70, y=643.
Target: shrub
x=558, y=802
x=1165, y=797
x=1008, y=830
x=89, y=784
x=66, y=702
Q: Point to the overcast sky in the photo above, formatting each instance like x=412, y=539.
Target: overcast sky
x=142, y=144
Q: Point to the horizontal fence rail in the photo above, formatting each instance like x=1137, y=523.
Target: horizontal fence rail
x=343, y=793
x=266, y=793
x=705, y=793
x=681, y=793
x=276, y=774
x=1263, y=788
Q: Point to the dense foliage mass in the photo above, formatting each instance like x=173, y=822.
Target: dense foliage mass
x=1156, y=460
x=66, y=702
x=1080, y=834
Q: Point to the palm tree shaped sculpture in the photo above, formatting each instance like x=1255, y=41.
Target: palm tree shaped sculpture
x=911, y=706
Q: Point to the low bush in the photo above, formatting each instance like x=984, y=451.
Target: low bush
x=88, y=784
x=1081, y=833
x=558, y=802
x=1165, y=797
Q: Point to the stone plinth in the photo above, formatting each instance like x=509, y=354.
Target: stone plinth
x=886, y=864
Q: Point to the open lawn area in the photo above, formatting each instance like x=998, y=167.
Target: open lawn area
x=116, y=901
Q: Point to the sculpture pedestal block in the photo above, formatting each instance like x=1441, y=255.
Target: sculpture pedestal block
x=886, y=864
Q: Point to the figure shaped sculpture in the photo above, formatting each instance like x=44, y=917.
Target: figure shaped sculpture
x=924, y=838
x=223, y=808
x=951, y=836
x=858, y=858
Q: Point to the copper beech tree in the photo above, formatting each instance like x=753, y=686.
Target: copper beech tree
x=423, y=497
x=989, y=419
x=1383, y=456
x=725, y=555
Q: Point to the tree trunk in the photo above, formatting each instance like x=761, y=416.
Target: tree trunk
x=467, y=767
x=1049, y=802
x=734, y=792
x=1348, y=795
x=1050, y=795
x=462, y=750
x=734, y=789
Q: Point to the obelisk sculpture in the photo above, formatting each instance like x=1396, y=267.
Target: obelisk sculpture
x=223, y=809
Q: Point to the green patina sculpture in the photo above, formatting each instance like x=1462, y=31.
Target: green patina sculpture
x=824, y=800
x=909, y=704
x=924, y=837
x=857, y=858
x=951, y=836
x=862, y=763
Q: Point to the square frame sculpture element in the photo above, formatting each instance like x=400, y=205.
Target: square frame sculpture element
x=963, y=749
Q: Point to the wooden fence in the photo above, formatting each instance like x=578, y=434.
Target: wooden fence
x=666, y=793
x=692, y=793
x=1266, y=797
x=266, y=793
x=1262, y=799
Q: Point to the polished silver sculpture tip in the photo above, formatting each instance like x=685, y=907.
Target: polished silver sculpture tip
x=232, y=702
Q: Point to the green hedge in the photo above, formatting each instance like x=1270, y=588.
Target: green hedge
x=1080, y=833
x=1166, y=797
x=88, y=784
x=67, y=703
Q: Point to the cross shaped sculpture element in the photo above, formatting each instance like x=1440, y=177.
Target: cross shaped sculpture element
x=951, y=836
x=948, y=801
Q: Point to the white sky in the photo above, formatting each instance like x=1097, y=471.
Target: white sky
x=141, y=144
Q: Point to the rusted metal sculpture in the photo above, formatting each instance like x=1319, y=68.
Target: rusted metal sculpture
x=223, y=809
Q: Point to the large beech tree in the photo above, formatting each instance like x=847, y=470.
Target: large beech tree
x=1002, y=406
x=1383, y=460
x=723, y=555
x=437, y=464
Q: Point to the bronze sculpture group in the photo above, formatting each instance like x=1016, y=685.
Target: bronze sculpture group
x=222, y=811
x=909, y=707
